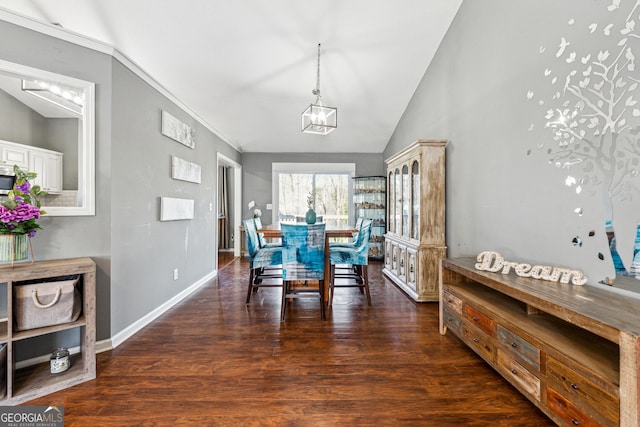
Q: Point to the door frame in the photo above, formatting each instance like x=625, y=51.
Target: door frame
x=236, y=201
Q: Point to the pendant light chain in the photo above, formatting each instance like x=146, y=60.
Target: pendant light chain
x=317, y=89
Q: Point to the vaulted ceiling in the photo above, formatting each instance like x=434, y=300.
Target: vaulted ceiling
x=246, y=68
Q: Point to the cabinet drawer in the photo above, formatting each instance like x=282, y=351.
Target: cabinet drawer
x=412, y=268
x=480, y=343
x=452, y=302
x=582, y=392
x=479, y=320
x=519, y=346
x=388, y=254
x=402, y=263
x=452, y=321
x=568, y=412
x=518, y=374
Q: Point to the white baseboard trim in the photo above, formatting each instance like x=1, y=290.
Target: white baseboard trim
x=130, y=330
x=103, y=345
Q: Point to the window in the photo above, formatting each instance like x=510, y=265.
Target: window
x=330, y=183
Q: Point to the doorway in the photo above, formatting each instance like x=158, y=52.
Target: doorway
x=229, y=210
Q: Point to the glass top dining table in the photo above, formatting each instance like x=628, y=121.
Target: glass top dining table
x=272, y=231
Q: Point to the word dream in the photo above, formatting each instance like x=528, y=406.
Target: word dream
x=493, y=262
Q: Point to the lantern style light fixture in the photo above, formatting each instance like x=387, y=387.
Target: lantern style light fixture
x=317, y=118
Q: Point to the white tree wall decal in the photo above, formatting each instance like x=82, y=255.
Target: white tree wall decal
x=594, y=110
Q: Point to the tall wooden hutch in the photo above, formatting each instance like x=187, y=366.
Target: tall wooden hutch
x=415, y=238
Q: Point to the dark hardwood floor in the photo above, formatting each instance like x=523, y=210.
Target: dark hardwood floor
x=225, y=258
x=214, y=361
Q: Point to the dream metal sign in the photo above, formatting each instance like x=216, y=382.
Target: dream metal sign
x=494, y=262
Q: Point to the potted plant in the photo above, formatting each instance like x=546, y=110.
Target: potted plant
x=19, y=215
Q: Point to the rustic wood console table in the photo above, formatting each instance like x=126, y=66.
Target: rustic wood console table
x=34, y=381
x=571, y=350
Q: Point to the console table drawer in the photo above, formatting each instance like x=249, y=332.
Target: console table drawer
x=518, y=374
x=568, y=412
x=453, y=302
x=452, y=321
x=479, y=320
x=582, y=392
x=480, y=343
x=519, y=346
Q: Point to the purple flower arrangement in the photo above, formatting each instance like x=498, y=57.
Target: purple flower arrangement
x=20, y=212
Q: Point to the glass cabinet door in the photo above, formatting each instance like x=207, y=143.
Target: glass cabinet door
x=391, y=203
x=405, y=201
x=398, y=201
x=369, y=198
x=415, y=200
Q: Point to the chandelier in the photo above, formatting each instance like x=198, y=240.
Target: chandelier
x=318, y=118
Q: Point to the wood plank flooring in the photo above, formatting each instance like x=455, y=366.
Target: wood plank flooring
x=214, y=361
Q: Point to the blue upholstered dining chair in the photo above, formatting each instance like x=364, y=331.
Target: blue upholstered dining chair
x=264, y=263
x=351, y=243
x=302, y=260
x=357, y=258
x=261, y=239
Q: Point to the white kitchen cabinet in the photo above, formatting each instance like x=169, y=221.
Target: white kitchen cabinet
x=14, y=154
x=48, y=166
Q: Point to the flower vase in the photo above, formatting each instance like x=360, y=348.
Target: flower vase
x=310, y=217
x=13, y=247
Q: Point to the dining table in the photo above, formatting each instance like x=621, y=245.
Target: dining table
x=272, y=231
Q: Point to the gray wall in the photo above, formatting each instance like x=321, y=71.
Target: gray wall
x=69, y=237
x=144, y=250
x=256, y=173
x=135, y=252
x=19, y=123
x=487, y=93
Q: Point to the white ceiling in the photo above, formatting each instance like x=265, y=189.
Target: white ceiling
x=246, y=68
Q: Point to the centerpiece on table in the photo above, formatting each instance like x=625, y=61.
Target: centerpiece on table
x=19, y=215
x=310, y=216
x=257, y=213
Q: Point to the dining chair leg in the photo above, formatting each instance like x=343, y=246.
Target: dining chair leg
x=359, y=278
x=283, y=307
x=365, y=279
x=251, y=278
x=321, y=292
x=332, y=281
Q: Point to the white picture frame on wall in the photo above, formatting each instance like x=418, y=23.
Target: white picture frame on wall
x=178, y=131
x=185, y=170
x=174, y=209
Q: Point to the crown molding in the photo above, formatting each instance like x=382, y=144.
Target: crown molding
x=99, y=46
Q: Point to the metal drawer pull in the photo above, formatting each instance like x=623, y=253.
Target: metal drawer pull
x=514, y=345
x=475, y=319
x=514, y=372
x=475, y=340
x=575, y=386
x=575, y=422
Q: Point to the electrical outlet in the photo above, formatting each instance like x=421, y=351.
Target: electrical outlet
x=175, y=274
